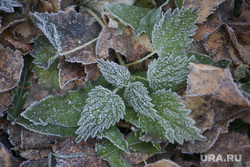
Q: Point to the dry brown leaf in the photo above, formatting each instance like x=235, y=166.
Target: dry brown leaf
x=202, y=146
x=163, y=163
x=244, y=50
x=207, y=7
x=206, y=27
x=6, y=160
x=131, y=48
x=202, y=112
x=34, y=154
x=232, y=143
x=10, y=19
x=11, y=64
x=205, y=79
x=134, y=157
x=67, y=146
x=5, y=100
x=219, y=45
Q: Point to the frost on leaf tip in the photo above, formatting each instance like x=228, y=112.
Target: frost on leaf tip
x=115, y=74
x=171, y=35
x=168, y=73
x=173, y=123
x=103, y=109
x=136, y=95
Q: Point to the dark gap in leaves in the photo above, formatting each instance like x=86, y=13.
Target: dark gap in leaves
x=239, y=126
x=236, y=9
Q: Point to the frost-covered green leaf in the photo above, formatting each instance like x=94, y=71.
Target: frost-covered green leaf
x=148, y=22
x=136, y=95
x=45, y=24
x=108, y=151
x=115, y=74
x=44, y=53
x=168, y=72
x=103, y=109
x=131, y=116
x=116, y=137
x=128, y=14
x=49, y=129
x=178, y=3
x=173, y=123
x=171, y=35
x=48, y=77
x=246, y=87
x=8, y=5
x=205, y=59
x=58, y=110
x=145, y=147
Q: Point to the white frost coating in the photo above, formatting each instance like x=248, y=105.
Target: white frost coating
x=115, y=74
x=167, y=72
x=137, y=97
x=44, y=23
x=103, y=109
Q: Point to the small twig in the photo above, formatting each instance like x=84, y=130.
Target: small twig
x=120, y=58
x=144, y=58
x=138, y=77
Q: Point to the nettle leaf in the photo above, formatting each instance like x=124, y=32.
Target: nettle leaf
x=173, y=123
x=148, y=22
x=205, y=59
x=178, y=3
x=136, y=95
x=128, y=14
x=108, y=151
x=131, y=116
x=116, y=137
x=115, y=74
x=103, y=109
x=168, y=72
x=58, y=110
x=44, y=53
x=171, y=35
x=49, y=129
x=48, y=77
x=8, y=5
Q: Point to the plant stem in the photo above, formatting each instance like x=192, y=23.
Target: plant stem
x=144, y=58
x=79, y=47
x=116, y=90
x=95, y=16
x=120, y=58
x=138, y=77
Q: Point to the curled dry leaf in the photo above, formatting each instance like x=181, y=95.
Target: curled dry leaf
x=205, y=79
x=6, y=159
x=207, y=7
x=123, y=43
x=34, y=154
x=232, y=143
x=163, y=163
x=244, y=50
x=202, y=112
x=11, y=64
x=134, y=157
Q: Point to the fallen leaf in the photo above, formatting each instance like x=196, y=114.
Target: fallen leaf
x=207, y=7
x=5, y=100
x=10, y=19
x=68, y=146
x=6, y=159
x=38, y=162
x=205, y=79
x=202, y=112
x=163, y=163
x=207, y=27
x=11, y=64
x=219, y=45
x=244, y=50
x=134, y=157
x=34, y=154
x=234, y=144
